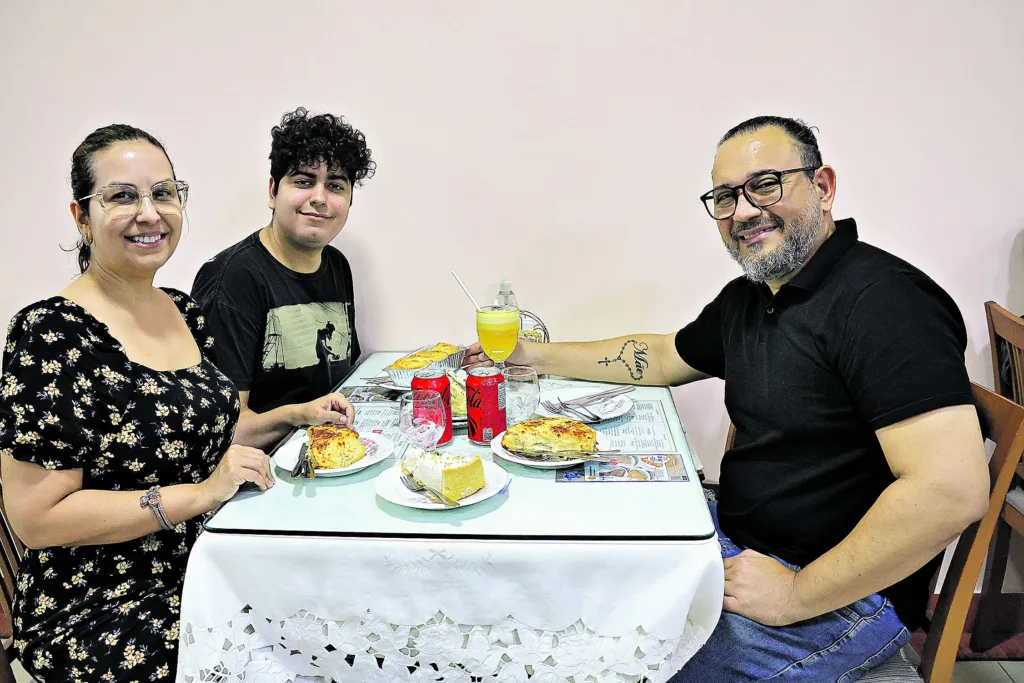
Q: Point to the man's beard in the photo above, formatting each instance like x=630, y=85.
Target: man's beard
x=798, y=237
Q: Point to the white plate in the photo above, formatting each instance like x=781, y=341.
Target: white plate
x=614, y=407
x=387, y=385
x=390, y=487
x=602, y=445
x=288, y=455
x=457, y=420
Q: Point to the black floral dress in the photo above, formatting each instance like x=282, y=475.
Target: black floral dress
x=71, y=399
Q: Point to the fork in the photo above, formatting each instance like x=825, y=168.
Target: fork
x=436, y=496
x=582, y=410
x=304, y=465
x=562, y=409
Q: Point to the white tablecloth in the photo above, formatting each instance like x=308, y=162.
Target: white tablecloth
x=371, y=605
x=277, y=608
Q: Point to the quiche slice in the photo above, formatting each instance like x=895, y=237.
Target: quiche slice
x=333, y=446
x=550, y=434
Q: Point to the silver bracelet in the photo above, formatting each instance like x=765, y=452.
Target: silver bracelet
x=151, y=499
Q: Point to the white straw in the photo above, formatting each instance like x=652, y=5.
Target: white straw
x=459, y=279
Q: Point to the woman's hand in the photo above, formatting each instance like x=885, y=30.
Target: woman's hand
x=239, y=465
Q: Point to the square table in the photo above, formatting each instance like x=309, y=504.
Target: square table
x=322, y=579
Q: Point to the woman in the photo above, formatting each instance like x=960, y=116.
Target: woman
x=115, y=431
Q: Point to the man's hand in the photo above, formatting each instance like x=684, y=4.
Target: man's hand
x=330, y=408
x=760, y=588
x=476, y=358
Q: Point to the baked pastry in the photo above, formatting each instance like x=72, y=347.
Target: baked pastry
x=333, y=446
x=456, y=476
x=421, y=359
x=448, y=349
x=550, y=434
x=411, y=363
x=432, y=354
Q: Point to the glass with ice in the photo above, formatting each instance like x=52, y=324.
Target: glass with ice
x=522, y=391
x=421, y=418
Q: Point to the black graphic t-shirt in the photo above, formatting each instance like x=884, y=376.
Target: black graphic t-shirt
x=285, y=337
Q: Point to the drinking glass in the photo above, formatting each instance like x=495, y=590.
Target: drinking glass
x=421, y=418
x=498, y=329
x=522, y=393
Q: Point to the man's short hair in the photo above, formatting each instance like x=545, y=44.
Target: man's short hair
x=801, y=134
x=306, y=140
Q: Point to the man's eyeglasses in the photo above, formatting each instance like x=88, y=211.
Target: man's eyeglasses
x=122, y=201
x=762, y=190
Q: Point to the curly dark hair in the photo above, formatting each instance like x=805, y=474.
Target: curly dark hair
x=306, y=140
x=82, y=180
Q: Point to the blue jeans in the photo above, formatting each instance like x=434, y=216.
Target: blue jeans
x=840, y=646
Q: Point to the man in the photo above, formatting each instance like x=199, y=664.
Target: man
x=858, y=455
x=280, y=303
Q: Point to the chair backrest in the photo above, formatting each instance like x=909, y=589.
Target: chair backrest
x=1006, y=334
x=1003, y=423
x=11, y=552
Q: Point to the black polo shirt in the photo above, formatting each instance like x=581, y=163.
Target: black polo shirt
x=857, y=341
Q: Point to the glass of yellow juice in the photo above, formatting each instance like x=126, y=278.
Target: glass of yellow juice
x=498, y=328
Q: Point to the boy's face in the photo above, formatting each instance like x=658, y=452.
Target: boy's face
x=311, y=205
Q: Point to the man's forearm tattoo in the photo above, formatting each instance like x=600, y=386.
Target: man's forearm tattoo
x=634, y=356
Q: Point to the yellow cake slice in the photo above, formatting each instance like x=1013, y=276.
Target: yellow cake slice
x=332, y=446
x=456, y=476
x=458, y=385
x=550, y=434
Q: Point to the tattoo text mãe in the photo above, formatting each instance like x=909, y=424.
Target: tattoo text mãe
x=637, y=364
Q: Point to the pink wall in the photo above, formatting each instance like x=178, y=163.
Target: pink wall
x=561, y=143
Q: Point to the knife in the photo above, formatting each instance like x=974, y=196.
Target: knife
x=599, y=397
x=603, y=456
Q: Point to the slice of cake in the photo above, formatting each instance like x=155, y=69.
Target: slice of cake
x=333, y=446
x=456, y=476
x=458, y=385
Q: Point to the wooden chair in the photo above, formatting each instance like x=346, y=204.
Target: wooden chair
x=1006, y=333
x=1003, y=423
x=11, y=552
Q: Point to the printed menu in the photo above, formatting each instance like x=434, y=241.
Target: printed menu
x=631, y=468
x=644, y=429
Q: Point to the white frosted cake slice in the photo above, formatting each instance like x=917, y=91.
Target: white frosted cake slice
x=456, y=476
x=457, y=380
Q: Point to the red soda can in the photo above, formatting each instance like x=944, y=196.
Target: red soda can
x=485, y=405
x=436, y=380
